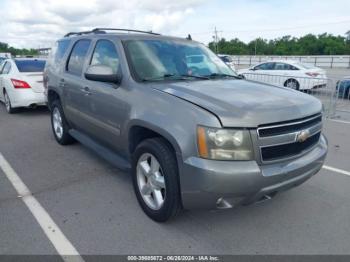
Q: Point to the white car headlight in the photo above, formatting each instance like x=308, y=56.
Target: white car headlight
x=224, y=144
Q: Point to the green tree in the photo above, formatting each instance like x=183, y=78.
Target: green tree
x=323, y=44
x=5, y=48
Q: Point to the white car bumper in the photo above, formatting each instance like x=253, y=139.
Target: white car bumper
x=310, y=83
x=26, y=98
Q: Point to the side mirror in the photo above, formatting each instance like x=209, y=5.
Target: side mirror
x=252, y=69
x=102, y=73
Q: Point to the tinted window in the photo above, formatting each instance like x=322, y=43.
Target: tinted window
x=62, y=47
x=105, y=54
x=27, y=66
x=194, y=59
x=283, y=66
x=7, y=68
x=77, y=57
x=265, y=66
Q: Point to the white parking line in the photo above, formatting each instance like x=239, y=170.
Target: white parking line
x=63, y=246
x=337, y=170
x=339, y=121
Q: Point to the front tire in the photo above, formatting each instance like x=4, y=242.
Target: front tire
x=59, y=124
x=155, y=179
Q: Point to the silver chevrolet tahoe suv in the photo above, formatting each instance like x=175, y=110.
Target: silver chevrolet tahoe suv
x=192, y=133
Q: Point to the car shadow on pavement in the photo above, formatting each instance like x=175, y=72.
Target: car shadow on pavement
x=40, y=110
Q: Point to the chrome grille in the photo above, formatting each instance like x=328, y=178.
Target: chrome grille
x=289, y=139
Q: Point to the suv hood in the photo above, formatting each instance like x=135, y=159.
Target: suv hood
x=241, y=103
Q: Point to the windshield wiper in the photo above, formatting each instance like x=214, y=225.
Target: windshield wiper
x=157, y=78
x=217, y=75
x=175, y=77
x=196, y=76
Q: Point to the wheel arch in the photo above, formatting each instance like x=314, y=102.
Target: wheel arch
x=139, y=131
x=52, y=95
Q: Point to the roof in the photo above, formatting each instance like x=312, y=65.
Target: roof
x=282, y=61
x=123, y=34
x=104, y=31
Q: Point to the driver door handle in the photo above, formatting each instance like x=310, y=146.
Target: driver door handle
x=86, y=90
x=62, y=83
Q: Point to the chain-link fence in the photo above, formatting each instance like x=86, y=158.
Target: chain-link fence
x=336, y=61
x=333, y=93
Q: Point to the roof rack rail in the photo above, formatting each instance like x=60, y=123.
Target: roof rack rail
x=124, y=30
x=85, y=33
x=103, y=31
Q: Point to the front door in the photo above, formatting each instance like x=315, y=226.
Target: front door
x=107, y=108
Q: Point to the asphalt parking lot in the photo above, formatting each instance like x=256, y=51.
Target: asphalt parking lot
x=94, y=206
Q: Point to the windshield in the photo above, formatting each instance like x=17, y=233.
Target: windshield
x=30, y=66
x=173, y=60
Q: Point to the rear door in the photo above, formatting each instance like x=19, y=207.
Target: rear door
x=72, y=83
x=282, y=72
x=263, y=73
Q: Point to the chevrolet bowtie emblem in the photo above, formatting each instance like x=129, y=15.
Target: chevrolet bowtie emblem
x=302, y=136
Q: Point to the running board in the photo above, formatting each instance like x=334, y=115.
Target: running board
x=102, y=151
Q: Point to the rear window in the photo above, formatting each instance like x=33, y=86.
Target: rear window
x=283, y=66
x=62, y=47
x=27, y=66
x=77, y=56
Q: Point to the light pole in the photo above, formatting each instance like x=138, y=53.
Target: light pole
x=216, y=40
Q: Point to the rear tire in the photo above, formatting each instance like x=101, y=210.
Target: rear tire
x=59, y=124
x=157, y=188
x=8, y=105
x=292, y=83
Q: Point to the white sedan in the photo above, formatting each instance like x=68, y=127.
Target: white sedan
x=21, y=83
x=290, y=74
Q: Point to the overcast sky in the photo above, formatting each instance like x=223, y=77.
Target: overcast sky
x=37, y=23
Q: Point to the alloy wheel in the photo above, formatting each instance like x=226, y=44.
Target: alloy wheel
x=150, y=181
x=292, y=84
x=57, y=122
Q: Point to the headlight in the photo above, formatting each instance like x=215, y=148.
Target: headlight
x=224, y=144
